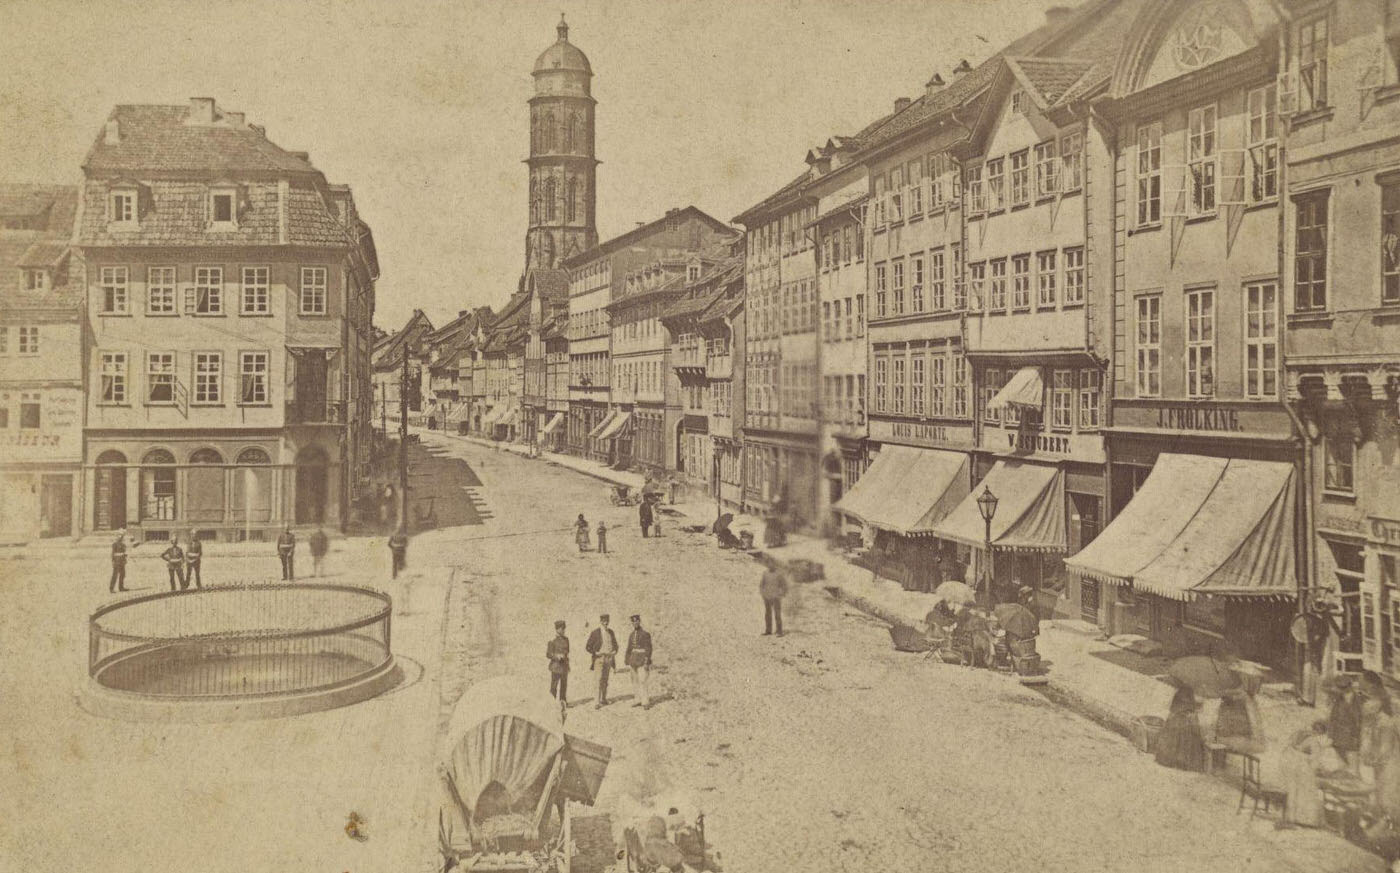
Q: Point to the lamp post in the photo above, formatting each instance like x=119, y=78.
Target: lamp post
x=987, y=505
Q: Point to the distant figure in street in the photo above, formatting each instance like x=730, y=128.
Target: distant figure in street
x=638, y=657
x=602, y=538
x=602, y=645
x=320, y=544
x=1344, y=722
x=286, y=550
x=1182, y=744
x=557, y=651
x=644, y=514
x=387, y=507
x=772, y=588
x=175, y=564
x=398, y=553
x=194, y=555
x=118, y=582
x=581, y=532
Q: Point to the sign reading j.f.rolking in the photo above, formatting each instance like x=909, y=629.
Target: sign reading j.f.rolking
x=1198, y=418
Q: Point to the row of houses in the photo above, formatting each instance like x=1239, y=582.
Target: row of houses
x=185, y=337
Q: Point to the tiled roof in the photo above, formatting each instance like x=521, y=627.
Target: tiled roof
x=157, y=138
x=551, y=283
x=54, y=204
x=14, y=244
x=780, y=196
x=44, y=253
x=644, y=230
x=1049, y=78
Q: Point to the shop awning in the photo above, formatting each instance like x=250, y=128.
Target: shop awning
x=553, y=423
x=607, y=420
x=1158, y=513
x=908, y=490
x=615, y=426
x=491, y=415
x=1030, y=515
x=1024, y=389
x=504, y=416
x=1238, y=542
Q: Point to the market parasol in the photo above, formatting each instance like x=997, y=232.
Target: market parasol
x=1206, y=676
x=723, y=522
x=1017, y=620
x=954, y=592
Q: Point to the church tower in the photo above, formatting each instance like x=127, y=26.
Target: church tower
x=563, y=170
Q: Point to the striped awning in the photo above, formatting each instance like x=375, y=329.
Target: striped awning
x=1030, y=513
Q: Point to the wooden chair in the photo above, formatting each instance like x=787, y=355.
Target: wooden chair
x=1252, y=786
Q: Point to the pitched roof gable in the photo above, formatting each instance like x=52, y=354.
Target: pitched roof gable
x=637, y=233
x=154, y=138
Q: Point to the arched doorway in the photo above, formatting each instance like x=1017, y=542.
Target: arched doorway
x=158, y=486
x=109, y=498
x=204, y=487
x=312, y=482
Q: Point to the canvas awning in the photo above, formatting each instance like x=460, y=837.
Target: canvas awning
x=491, y=415
x=1236, y=537
x=615, y=426
x=502, y=731
x=1030, y=515
x=507, y=412
x=607, y=420
x=908, y=490
x=553, y=423
x=585, y=765
x=1025, y=389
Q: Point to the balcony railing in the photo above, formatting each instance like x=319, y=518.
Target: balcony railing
x=316, y=412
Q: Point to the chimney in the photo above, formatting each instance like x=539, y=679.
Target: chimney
x=259, y=129
x=236, y=120
x=933, y=86
x=1057, y=14
x=305, y=156
x=462, y=313
x=961, y=69
x=201, y=110
x=113, y=134
x=901, y=104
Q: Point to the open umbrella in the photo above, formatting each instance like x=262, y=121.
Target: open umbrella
x=1206, y=676
x=954, y=592
x=1018, y=621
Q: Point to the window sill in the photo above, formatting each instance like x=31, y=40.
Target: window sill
x=222, y=227
x=113, y=405
x=114, y=314
x=1202, y=218
x=976, y=216
x=165, y=404
x=1078, y=304
x=1144, y=228
x=1266, y=203
x=255, y=315
x=1387, y=93
x=1335, y=496
x=1321, y=318
x=150, y=314
x=205, y=314
x=1016, y=207
x=1321, y=113
x=267, y=405
x=207, y=405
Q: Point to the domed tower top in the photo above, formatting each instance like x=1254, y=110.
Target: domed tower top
x=563, y=56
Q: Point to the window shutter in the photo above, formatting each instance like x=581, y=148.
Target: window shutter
x=190, y=298
x=1287, y=93
x=1231, y=190
x=1175, y=193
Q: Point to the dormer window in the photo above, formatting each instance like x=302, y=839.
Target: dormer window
x=692, y=272
x=121, y=207
x=36, y=280
x=222, y=212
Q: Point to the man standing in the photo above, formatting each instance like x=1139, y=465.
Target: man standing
x=175, y=564
x=558, y=653
x=320, y=544
x=602, y=645
x=638, y=657
x=193, y=555
x=644, y=513
x=398, y=552
x=772, y=588
x=286, y=550
x=118, y=582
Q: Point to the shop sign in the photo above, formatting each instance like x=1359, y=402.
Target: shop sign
x=1340, y=523
x=1087, y=447
x=1207, y=418
x=915, y=433
x=1384, y=530
x=1216, y=418
x=58, y=437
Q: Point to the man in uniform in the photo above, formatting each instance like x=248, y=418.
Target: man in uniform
x=557, y=651
x=638, y=657
x=175, y=564
x=286, y=550
x=602, y=645
x=118, y=582
x=193, y=555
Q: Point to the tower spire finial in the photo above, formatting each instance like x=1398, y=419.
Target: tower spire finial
x=563, y=29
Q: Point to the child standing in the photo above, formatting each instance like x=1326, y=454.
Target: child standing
x=602, y=538
x=581, y=533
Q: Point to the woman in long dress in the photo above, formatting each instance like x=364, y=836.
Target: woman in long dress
x=581, y=533
x=1182, y=744
x=1299, y=764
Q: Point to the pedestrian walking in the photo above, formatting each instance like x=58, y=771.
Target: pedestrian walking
x=118, y=581
x=644, y=514
x=194, y=555
x=320, y=544
x=581, y=533
x=602, y=645
x=602, y=538
x=773, y=588
x=638, y=657
x=398, y=553
x=286, y=550
x=557, y=651
x=175, y=564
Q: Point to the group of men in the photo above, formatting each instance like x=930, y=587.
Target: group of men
x=602, y=648
x=184, y=565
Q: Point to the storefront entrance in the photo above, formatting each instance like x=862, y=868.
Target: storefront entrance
x=110, y=497
x=312, y=486
x=56, y=506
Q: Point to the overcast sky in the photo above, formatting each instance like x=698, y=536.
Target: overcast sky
x=420, y=106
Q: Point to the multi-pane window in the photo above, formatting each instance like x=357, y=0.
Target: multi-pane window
x=916, y=187
x=1338, y=458
x=997, y=290
x=860, y=315
x=881, y=293
x=257, y=290
x=1310, y=255
x=113, y=378
x=896, y=195
x=1261, y=143
x=959, y=409
x=959, y=289
x=1047, y=169
x=1045, y=278
x=976, y=194
x=208, y=377
x=1390, y=243
x=253, y=369
x=936, y=169
x=937, y=295
x=977, y=277
x=1090, y=392
x=897, y=290
x=996, y=184
x=1072, y=160
x=990, y=386
x=28, y=340
x=122, y=206
x=916, y=287
x=1200, y=343
x=160, y=377
x=938, y=375
x=1062, y=400
x=1261, y=340
x=1312, y=64
x=313, y=291
x=160, y=291
x=1149, y=346
x=846, y=244
x=1074, y=275
x=1201, y=158
x=850, y=317
x=208, y=291
x=916, y=384
x=113, y=282
x=1149, y=173
x=1020, y=178
x=1021, y=281
x=897, y=384
x=881, y=382
x=828, y=332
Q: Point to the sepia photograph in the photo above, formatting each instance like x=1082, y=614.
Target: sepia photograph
x=951, y=435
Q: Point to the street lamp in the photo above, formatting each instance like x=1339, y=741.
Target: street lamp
x=987, y=505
